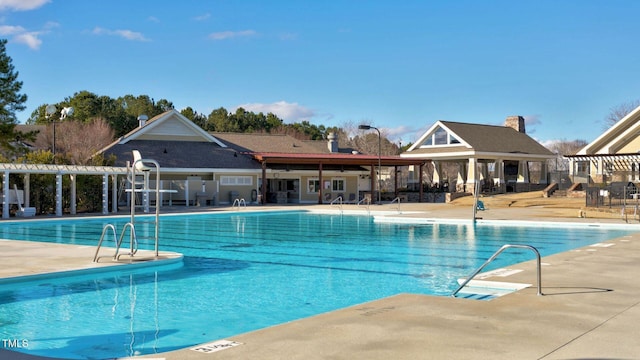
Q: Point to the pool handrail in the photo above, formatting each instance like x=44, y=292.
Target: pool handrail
x=239, y=202
x=104, y=232
x=495, y=255
x=397, y=199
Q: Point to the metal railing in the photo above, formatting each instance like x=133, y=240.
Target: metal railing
x=337, y=200
x=398, y=201
x=495, y=255
x=238, y=203
x=118, y=243
x=104, y=232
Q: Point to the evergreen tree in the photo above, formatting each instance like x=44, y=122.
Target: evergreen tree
x=10, y=99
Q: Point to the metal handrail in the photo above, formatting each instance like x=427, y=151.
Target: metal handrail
x=133, y=238
x=495, y=255
x=239, y=202
x=104, y=232
x=339, y=201
x=398, y=200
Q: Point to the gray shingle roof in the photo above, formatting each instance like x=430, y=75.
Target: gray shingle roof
x=274, y=143
x=498, y=139
x=183, y=154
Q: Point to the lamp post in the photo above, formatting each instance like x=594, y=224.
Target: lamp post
x=48, y=111
x=369, y=127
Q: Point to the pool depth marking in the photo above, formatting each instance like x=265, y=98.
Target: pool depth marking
x=215, y=346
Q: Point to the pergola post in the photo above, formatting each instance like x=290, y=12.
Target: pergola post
x=73, y=196
x=5, y=195
x=105, y=194
x=27, y=190
x=114, y=193
x=59, y=194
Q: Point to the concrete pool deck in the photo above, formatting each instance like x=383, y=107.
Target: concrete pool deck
x=590, y=309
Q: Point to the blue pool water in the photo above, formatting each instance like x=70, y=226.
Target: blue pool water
x=247, y=271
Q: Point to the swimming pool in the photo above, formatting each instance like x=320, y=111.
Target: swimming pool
x=246, y=271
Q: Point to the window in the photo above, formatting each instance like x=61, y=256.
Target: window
x=313, y=186
x=440, y=137
x=236, y=180
x=337, y=184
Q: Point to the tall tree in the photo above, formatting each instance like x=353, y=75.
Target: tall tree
x=10, y=98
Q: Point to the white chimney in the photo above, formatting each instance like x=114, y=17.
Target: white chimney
x=333, y=142
x=142, y=120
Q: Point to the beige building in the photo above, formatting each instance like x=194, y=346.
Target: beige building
x=497, y=158
x=612, y=157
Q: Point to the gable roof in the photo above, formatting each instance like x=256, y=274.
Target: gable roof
x=616, y=137
x=172, y=126
x=480, y=139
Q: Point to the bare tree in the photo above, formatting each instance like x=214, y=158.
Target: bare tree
x=619, y=111
x=78, y=141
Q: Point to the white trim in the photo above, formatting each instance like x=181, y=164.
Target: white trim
x=430, y=131
x=606, y=138
x=165, y=117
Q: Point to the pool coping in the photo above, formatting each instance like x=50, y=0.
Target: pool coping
x=590, y=309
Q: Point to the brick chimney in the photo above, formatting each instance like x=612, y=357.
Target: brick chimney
x=516, y=122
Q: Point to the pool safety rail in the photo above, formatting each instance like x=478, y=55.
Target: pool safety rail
x=116, y=255
x=397, y=200
x=494, y=256
x=238, y=203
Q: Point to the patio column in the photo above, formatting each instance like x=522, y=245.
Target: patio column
x=523, y=171
x=462, y=177
x=544, y=171
x=437, y=170
x=499, y=175
x=320, y=182
x=472, y=175
x=421, y=191
x=263, y=190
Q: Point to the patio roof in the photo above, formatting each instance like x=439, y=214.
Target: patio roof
x=335, y=158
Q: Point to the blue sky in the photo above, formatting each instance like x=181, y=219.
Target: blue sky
x=397, y=65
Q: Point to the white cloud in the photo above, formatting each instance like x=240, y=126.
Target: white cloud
x=291, y=112
x=22, y=36
x=30, y=39
x=11, y=30
x=224, y=35
x=21, y=5
x=126, y=34
x=202, y=17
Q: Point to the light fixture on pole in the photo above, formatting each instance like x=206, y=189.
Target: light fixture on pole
x=66, y=111
x=369, y=127
x=48, y=111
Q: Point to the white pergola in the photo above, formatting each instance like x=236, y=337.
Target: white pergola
x=60, y=171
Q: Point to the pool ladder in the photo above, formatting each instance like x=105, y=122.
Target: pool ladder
x=495, y=255
x=238, y=203
x=132, y=236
